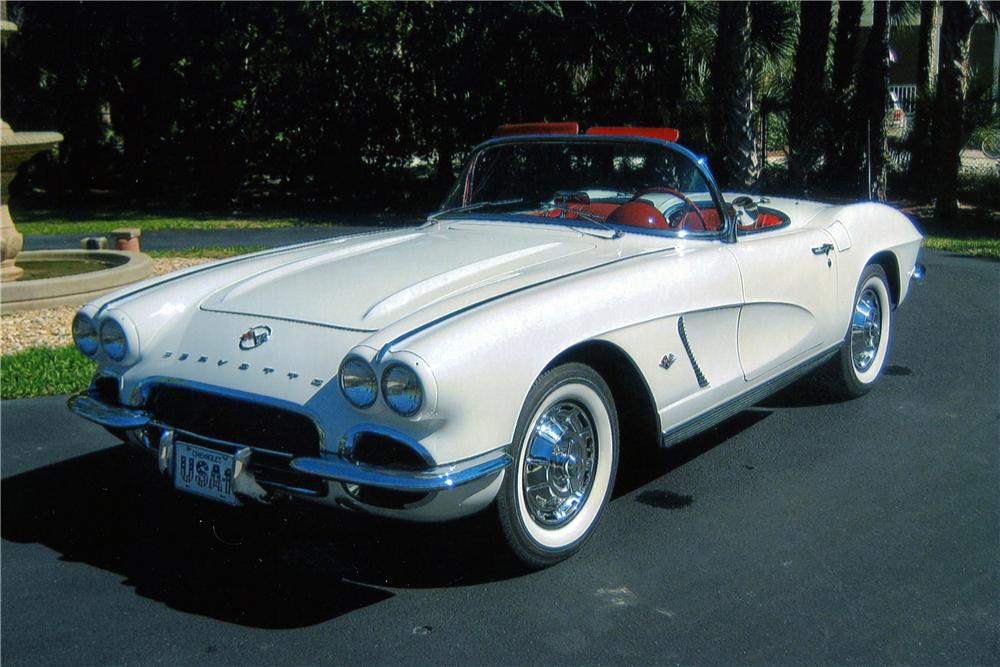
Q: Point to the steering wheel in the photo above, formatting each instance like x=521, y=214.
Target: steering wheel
x=680, y=195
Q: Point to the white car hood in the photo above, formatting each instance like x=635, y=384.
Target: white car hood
x=370, y=283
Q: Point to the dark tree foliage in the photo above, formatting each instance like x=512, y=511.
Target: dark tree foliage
x=808, y=95
x=235, y=103
x=374, y=104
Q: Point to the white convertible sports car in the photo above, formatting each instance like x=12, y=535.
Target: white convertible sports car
x=577, y=294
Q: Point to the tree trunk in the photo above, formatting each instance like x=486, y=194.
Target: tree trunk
x=674, y=81
x=842, y=90
x=719, y=82
x=930, y=37
x=808, y=91
x=921, y=160
x=949, y=104
x=871, y=104
x=734, y=122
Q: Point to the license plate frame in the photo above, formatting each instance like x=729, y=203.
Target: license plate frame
x=204, y=472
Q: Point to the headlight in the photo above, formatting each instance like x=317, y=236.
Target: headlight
x=113, y=339
x=85, y=334
x=401, y=389
x=357, y=382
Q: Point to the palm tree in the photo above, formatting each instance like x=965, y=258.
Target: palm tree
x=837, y=164
x=870, y=103
x=808, y=91
x=919, y=140
x=733, y=115
x=949, y=102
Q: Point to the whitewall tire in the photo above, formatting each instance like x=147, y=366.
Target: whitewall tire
x=865, y=352
x=565, y=454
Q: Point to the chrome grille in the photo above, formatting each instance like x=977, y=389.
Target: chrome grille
x=234, y=420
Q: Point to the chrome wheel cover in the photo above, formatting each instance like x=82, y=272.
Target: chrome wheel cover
x=560, y=463
x=866, y=330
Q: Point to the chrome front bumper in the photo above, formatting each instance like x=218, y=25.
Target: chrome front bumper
x=330, y=468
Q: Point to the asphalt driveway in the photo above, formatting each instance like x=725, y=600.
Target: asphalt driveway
x=800, y=532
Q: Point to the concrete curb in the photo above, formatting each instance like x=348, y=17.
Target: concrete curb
x=129, y=267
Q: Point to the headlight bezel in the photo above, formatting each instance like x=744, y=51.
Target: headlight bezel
x=369, y=371
x=78, y=338
x=414, y=382
x=107, y=323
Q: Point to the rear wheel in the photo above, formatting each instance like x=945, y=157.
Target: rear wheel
x=869, y=336
x=565, y=457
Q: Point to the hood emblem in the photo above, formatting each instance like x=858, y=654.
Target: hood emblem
x=255, y=337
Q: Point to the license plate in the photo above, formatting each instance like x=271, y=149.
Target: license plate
x=204, y=472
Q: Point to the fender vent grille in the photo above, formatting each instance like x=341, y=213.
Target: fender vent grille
x=702, y=380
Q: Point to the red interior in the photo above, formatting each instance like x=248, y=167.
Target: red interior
x=638, y=213
x=691, y=222
x=764, y=220
x=596, y=210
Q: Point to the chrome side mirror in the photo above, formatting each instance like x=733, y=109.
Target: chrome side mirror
x=746, y=212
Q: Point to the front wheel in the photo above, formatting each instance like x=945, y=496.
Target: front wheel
x=866, y=344
x=565, y=454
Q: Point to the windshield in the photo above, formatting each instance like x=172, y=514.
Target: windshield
x=621, y=185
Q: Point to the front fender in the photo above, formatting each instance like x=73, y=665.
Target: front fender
x=486, y=360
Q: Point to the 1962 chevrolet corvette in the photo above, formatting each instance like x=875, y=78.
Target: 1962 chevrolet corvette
x=572, y=289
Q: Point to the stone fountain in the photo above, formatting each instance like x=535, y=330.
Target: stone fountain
x=67, y=276
x=15, y=148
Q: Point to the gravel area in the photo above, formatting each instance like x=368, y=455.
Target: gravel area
x=51, y=327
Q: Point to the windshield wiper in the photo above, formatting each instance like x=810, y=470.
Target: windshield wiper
x=589, y=217
x=476, y=206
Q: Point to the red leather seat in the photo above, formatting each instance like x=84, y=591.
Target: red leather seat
x=692, y=223
x=638, y=213
x=763, y=221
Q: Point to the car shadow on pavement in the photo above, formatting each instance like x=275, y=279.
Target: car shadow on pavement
x=289, y=566
x=646, y=462
x=813, y=390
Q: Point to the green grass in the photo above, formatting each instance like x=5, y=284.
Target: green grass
x=89, y=222
x=208, y=252
x=148, y=224
x=976, y=247
x=44, y=372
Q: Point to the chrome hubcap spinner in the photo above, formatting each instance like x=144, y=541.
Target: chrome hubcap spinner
x=560, y=463
x=866, y=330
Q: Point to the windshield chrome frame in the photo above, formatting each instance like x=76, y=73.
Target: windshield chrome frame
x=725, y=234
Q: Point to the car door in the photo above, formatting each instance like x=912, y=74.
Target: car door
x=789, y=286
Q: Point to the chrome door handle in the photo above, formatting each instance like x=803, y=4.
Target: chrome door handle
x=823, y=249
